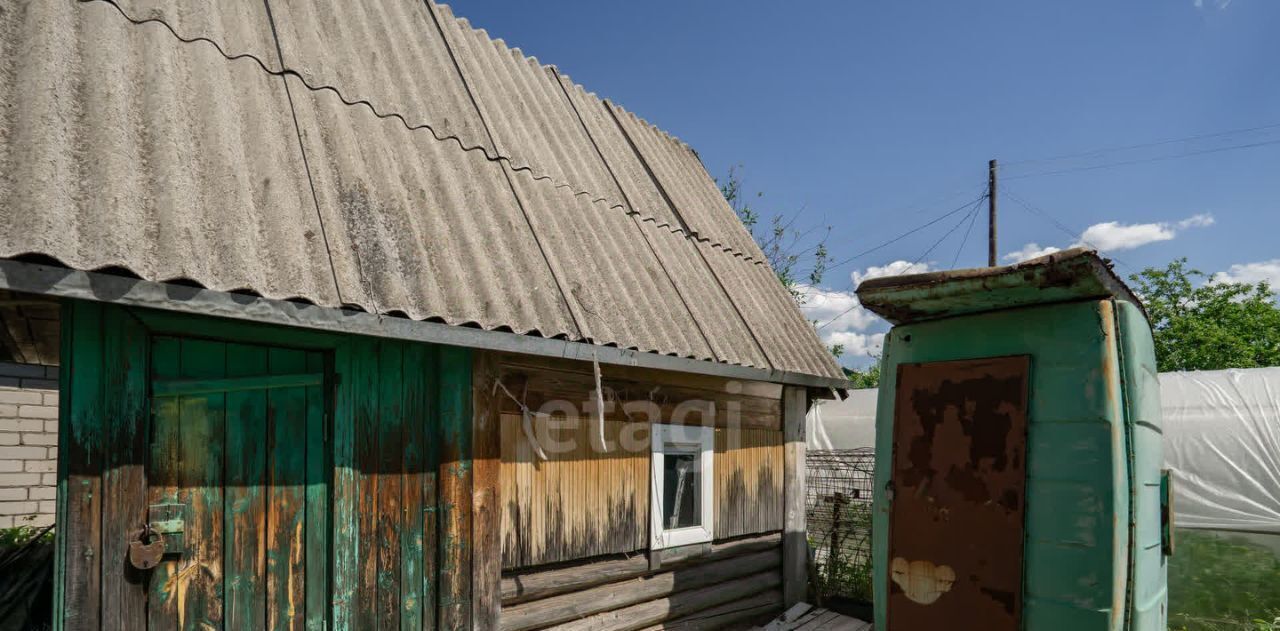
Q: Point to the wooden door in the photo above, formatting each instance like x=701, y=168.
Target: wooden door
x=959, y=474
x=238, y=474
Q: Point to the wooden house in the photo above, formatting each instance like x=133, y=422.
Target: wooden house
x=365, y=320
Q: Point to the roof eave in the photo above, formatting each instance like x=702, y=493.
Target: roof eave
x=75, y=284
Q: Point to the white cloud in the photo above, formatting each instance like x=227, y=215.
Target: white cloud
x=1114, y=236
x=858, y=344
x=1219, y=4
x=859, y=330
x=821, y=305
x=1251, y=273
x=1030, y=251
x=1202, y=220
x=896, y=268
x=1111, y=236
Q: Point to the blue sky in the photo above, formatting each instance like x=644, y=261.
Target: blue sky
x=875, y=117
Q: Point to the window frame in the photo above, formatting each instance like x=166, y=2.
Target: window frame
x=684, y=439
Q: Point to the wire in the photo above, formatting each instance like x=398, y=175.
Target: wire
x=908, y=233
x=965, y=240
x=972, y=207
x=1074, y=234
x=1158, y=143
x=1144, y=160
x=971, y=214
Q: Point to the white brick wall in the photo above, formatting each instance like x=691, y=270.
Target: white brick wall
x=28, y=444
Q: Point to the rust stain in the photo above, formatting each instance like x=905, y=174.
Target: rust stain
x=959, y=463
x=1111, y=385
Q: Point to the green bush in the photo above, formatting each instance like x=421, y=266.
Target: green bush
x=844, y=569
x=19, y=535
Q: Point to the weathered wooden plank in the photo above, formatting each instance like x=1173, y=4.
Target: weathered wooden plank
x=486, y=561
x=794, y=616
x=455, y=487
x=286, y=498
x=748, y=482
x=677, y=605
x=653, y=376
x=316, y=554
x=533, y=585
x=364, y=385
x=413, y=396
x=65, y=371
x=180, y=324
x=536, y=584
x=644, y=401
x=199, y=578
x=124, y=478
x=821, y=621
x=346, y=476
x=795, y=545
x=575, y=605
x=509, y=479
x=390, y=472
x=428, y=375
x=246, y=475
x=737, y=613
x=81, y=459
x=192, y=387
x=163, y=478
x=579, y=502
x=523, y=490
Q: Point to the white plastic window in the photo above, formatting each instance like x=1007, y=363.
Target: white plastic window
x=681, y=499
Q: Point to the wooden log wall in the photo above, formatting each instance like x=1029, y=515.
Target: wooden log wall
x=582, y=501
x=737, y=582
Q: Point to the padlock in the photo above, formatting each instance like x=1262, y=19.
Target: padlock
x=146, y=548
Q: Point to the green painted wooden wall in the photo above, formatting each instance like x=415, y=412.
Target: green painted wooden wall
x=1076, y=569
x=345, y=503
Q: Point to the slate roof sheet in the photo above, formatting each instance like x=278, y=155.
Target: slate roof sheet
x=384, y=156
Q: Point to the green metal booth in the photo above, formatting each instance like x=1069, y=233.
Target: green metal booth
x=1018, y=472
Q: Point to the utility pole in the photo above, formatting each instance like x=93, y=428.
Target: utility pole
x=991, y=213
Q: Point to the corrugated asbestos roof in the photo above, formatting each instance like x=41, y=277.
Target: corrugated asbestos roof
x=381, y=155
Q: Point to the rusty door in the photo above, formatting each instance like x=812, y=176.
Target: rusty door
x=959, y=472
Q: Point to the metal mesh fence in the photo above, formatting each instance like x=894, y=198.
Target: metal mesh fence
x=838, y=508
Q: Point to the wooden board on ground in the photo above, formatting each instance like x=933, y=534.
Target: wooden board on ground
x=805, y=617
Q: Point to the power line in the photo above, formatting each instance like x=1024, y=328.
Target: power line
x=1074, y=234
x=973, y=219
x=972, y=207
x=1158, y=143
x=963, y=219
x=1109, y=165
x=908, y=233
